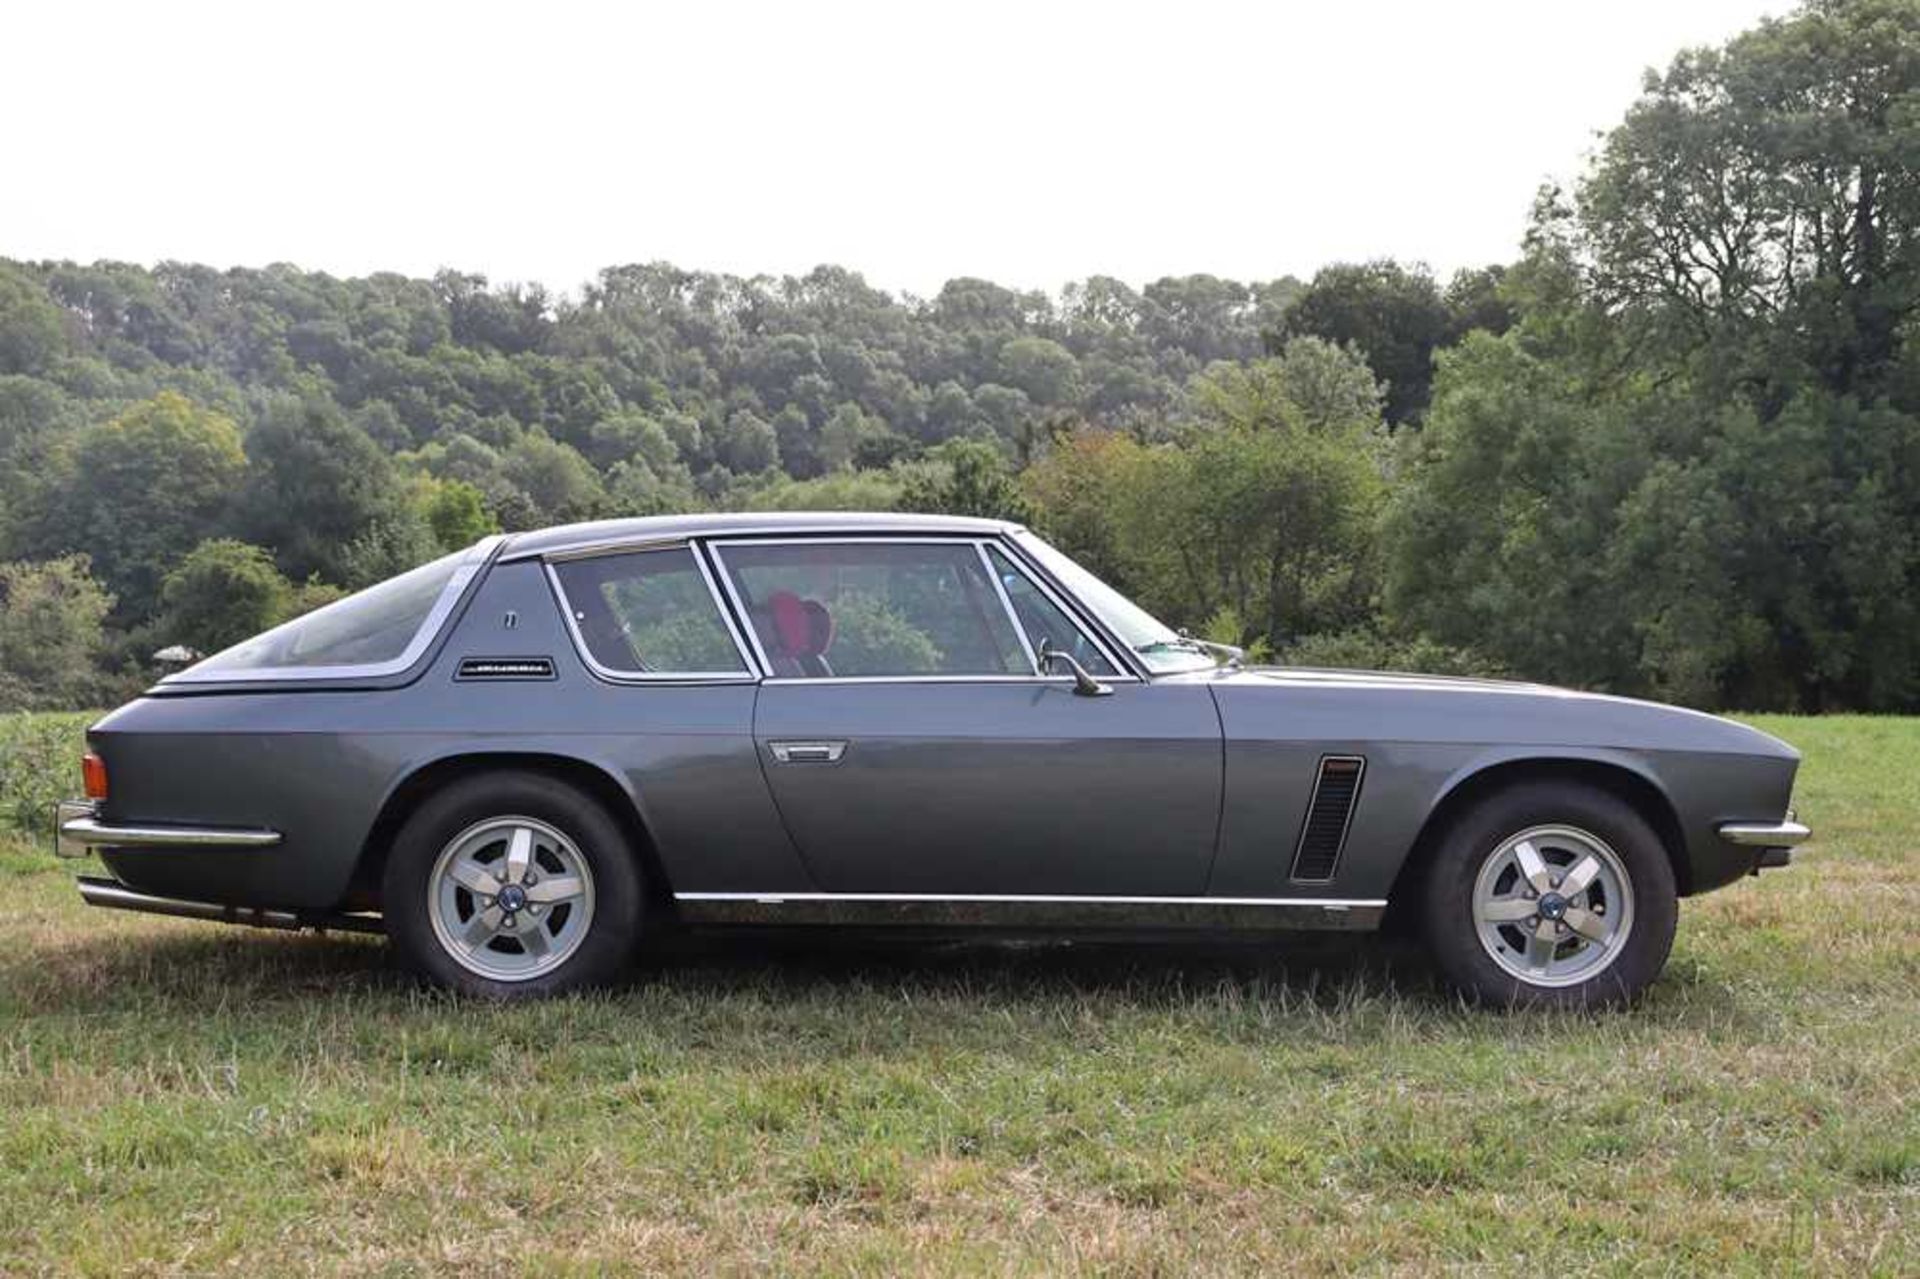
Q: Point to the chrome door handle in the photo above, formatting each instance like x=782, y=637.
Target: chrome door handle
x=807, y=752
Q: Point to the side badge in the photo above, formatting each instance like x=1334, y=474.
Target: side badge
x=505, y=668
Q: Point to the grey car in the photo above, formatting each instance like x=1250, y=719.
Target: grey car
x=519, y=760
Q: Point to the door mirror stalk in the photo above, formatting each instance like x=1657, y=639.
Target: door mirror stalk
x=1084, y=683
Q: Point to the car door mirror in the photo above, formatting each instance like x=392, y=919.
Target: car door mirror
x=1083, y=681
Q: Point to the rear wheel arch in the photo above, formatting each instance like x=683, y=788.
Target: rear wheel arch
x=432, y=776
x=1633, y=788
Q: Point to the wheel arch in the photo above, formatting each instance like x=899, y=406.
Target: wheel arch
x=428, y=776
x=1624, y=780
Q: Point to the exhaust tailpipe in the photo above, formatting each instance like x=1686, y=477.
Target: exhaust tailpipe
x=113, y=895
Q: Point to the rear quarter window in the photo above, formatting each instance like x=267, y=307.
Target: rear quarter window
x=378, y=631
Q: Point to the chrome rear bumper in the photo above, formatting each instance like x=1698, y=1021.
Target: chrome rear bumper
x=78, y=827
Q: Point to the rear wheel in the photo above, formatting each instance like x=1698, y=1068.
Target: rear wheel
x=1551, y=894
x=512, y=884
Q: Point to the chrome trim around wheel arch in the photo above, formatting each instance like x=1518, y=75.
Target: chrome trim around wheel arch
x=1784, y=834
x=97, y=833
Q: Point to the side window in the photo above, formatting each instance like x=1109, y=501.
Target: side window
x=826, y=609
x=1042, y=619
x=648, y=613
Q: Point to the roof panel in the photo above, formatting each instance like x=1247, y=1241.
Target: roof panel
x=576, y=537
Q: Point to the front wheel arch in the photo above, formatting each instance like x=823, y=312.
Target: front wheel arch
x=429, y=777
x=1624, y=783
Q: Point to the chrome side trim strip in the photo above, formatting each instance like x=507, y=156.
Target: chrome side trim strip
x=1070, y=899
x=93, y=831
x=1041, y=912
x=1786, y=834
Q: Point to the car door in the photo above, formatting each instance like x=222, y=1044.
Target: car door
x=912, y=747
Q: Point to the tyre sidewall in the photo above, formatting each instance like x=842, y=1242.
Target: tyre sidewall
x=608, y=947
x=1453, y=933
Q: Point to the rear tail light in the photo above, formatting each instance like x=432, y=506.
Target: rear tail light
x=93, y=771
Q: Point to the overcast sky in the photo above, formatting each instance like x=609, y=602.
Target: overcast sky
x=1031, y=143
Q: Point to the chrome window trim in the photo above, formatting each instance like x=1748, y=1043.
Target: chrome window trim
x=1006, y=602
x=465, y=573
x=598, y=551
x=717, y=547
x=747, y=673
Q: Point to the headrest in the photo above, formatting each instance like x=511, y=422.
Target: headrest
x=819, y=628
x=792, y=628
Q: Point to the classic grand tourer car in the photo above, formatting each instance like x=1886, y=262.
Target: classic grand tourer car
x=515, y=760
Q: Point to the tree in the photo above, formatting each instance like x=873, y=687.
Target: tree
x=456, y=513
x=1757, y=207
x=316, y=484
x=1393, y=314
x=1042, y=368
x=136, y=492
x=970, y=477
x=31, y=327
x=223, y=592
x=50, y=619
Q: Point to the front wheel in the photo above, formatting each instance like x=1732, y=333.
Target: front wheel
x=1551, y=894
x=512, y=885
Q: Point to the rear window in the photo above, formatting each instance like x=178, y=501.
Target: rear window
x=378, y=631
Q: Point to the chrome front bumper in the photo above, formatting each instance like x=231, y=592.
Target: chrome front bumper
x=78, y=828
x=1786, y=834
x=1773, y=842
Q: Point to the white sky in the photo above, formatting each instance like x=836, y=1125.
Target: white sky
x=1031, y=143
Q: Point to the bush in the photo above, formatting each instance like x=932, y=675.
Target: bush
x=39, y=763
x=1369, y=650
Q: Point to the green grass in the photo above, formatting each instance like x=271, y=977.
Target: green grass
x=185, y=1097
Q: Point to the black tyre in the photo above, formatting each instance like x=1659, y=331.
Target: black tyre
x=513, y=885
x=1550, y=894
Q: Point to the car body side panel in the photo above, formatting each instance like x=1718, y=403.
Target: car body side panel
x=1017, y=787
x=318, y=766
x=1423, y=738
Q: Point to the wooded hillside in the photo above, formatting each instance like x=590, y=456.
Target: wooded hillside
x=1671, y=449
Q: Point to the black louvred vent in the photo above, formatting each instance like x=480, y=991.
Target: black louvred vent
x=1328, y=817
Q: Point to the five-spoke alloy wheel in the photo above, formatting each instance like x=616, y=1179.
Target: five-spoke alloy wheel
x=512, y=883
x=1550, y=893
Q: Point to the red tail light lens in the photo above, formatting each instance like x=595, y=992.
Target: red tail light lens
x=93, y=771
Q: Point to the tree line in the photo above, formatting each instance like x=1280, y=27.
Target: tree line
x=1671, y=449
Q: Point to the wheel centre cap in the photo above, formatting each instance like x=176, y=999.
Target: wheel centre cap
x=1552, y=906
x=513, y=898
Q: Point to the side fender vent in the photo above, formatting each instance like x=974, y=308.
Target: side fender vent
x=1324, y=833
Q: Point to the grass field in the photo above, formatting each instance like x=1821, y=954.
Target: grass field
x=187, y=1097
